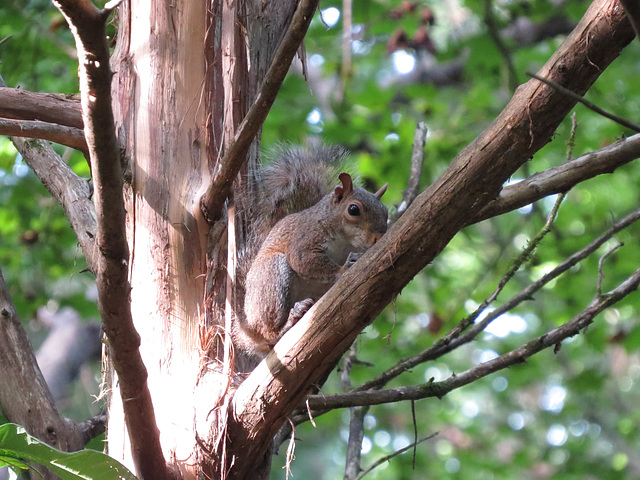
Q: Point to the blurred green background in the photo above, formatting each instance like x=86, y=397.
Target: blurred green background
x=568, y=415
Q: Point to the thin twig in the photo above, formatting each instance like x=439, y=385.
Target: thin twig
x=591, y=106
x=290, y=450
x=523, y=258
x=601, y=267
x=494, y=33
x=571, y=142
x=394, y=454
x=415, y=432
x=417, y=162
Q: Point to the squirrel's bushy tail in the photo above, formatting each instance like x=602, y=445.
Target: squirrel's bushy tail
x=296, y=177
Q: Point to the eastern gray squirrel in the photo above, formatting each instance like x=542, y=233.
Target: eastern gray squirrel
x=314, y=231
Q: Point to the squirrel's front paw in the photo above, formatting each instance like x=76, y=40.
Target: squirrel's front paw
x=298, y=311
x=352, y=258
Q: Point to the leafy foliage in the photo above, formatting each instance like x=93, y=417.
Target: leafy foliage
x=17, y=446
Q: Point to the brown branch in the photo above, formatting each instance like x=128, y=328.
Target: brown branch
x=47, y=107
x=93, y=427
x=87, y=24
x=519, y=355
x=69, y=136
x=562, y=178
x=590, y=105
x=220, y=186
x=24, y=397
x=474, y=178
x=71, y=191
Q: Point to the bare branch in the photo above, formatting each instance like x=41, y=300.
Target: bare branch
x=24, y=396
x=87, y=24
x=93, y=427
x=494, y=33
x=562, y=178
x=601, y=267
x=69, y=136
x=311, y=347
x=386, y=458
x=590, y=105
x=47, y=107
x=354, y=445
x=519, y=355
x=219, y=188
x=71, y=191
x=417, y=161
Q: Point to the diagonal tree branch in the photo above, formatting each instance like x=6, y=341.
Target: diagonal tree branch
x=69, y=136
x=591, y=106
x=55, y=108
x=70, y=190
x=87, y=24
x=475, y=177
x=562, y=178
x=220, y=186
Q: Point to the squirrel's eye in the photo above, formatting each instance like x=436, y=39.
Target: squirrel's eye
x=354, y=210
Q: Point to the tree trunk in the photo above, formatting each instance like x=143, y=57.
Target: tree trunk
x=182, y=84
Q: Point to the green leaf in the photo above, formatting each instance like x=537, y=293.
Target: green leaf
x=16, y=443
x=12, y=463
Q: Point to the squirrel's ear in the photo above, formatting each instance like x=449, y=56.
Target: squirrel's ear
x=383, y=189
x=347, y=186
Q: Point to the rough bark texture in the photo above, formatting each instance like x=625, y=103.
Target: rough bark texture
x=69, y=136
x=474, y=178
x=46, y=107
x=159, y=116
x=182, y=85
